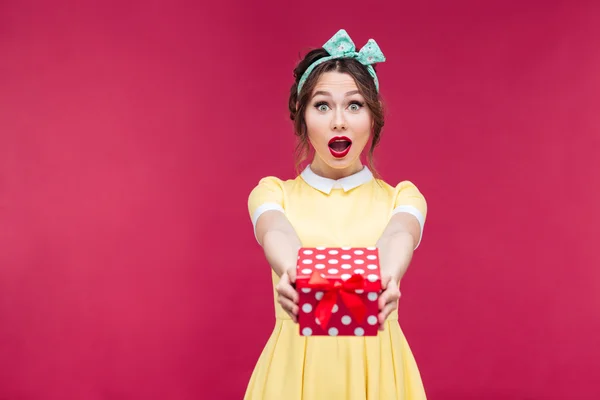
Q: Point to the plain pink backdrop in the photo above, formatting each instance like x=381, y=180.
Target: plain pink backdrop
x=131, y=134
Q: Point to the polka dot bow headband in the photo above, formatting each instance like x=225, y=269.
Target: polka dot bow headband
x=341, y=46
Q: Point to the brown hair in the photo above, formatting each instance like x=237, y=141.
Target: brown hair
x=364, y=82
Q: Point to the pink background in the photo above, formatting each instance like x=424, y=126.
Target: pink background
x=127, y=273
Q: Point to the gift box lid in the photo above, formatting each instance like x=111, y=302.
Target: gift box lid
x=336, y=265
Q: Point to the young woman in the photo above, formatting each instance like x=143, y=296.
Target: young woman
x=336, y=201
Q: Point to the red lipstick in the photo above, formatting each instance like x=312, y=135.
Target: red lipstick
x=339, y=146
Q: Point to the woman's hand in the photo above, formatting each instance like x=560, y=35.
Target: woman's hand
x=287, y=295
x=388, y=300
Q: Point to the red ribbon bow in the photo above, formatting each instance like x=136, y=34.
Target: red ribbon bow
x=345, y=289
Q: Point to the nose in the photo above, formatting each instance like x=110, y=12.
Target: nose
x=338, y=122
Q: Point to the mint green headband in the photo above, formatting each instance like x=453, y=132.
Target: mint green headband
x=341, y=46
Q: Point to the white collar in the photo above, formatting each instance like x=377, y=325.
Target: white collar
x=347, y=183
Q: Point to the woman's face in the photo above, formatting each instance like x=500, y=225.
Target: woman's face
x=339, y=125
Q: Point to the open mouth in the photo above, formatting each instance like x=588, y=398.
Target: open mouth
x=339, y=146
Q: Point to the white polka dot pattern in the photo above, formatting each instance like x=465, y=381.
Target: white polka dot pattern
x=338, y=265
x=342, y=258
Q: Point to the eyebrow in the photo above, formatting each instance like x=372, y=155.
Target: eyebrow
x=324, y=93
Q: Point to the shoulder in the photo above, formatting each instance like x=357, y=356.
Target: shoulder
x=408, y=202
x=269, y=192
x=398, y=186
x=401, y=187
x=268, y=182
x=272, y=185
x=407, y=187
x=406, y=196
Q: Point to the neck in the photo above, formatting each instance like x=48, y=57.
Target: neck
x=322, y=169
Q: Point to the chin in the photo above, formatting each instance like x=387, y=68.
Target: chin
x=342, y=163
x=339, y=164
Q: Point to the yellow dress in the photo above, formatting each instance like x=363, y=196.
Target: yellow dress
x=352, y=211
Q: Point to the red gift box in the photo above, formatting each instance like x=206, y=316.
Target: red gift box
x=339, y=288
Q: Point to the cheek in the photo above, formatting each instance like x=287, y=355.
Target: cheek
x=363, y=129
x=316, y=128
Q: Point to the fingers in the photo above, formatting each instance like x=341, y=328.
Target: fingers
x=385, y=281
x=292, y=274
x=289, y=307
x=287, y=297
x=388, y=302
x=391, y=294
x=389, y=307
x=286, y=290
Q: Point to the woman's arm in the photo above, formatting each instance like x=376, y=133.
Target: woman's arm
x=279, y=241
x=396, y=246
x=397, y=243
x=281, y=244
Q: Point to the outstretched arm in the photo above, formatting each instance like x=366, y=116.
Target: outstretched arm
x=396, y=246
x=281, y=244
x=397, y=243
x=279, y=241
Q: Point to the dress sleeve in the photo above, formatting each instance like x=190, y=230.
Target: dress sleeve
x=266, y=196
x=408, y=199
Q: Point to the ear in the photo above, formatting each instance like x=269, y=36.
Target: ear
x=297, y=104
